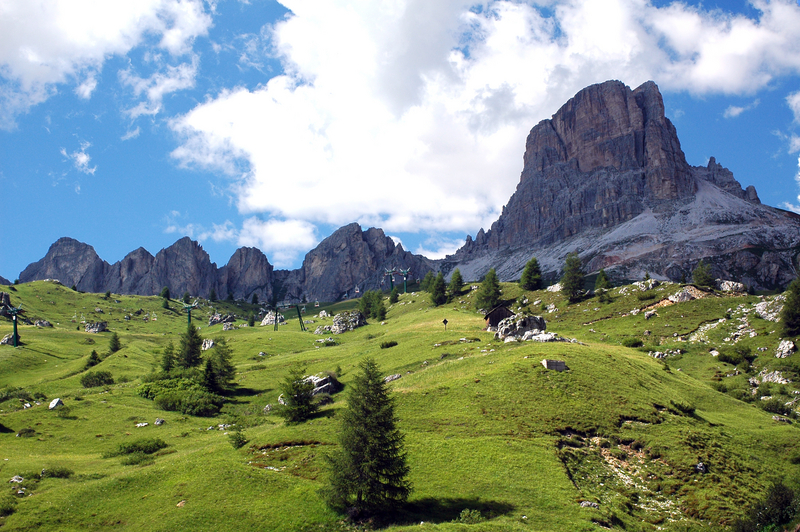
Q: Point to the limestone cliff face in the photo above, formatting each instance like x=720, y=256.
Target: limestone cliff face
x=606, y=177
x=71, y=262
x=131, y=274
x=248, y=272
x=351, y=258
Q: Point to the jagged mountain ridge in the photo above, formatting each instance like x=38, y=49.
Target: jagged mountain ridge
x=606, y=177
x=348, y=258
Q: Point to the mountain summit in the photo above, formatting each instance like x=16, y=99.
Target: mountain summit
x=606, y=177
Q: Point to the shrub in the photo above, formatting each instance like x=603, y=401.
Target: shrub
x=137, y=458
x=778, y=507
x=56, y=471
x=645, y=296
x=7, y=505
x=237, y=438
x=143, y=445
x=27, y=432
x=632, y=342
x=470, y=517
x=93, y=379
x=10, y=392
x=776, y=406
x=387, y=345
x=190, y=402
x=681, y=407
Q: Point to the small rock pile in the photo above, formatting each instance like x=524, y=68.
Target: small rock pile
x=271, y=317
x=770, y=309
x=219, y=318
x=208, y=343
x=785, y=348
x=96, y=327
x=43, y=323
x=518, y=325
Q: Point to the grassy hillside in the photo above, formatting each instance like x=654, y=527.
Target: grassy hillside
x=487, y=427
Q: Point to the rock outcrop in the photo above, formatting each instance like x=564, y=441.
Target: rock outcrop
x=606, y=177
x=5, y=281
x=71, y=262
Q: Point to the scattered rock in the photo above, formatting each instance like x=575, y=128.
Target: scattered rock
x=268, y=409
x=140, y=425
x=159, y=421
x=262, y=354
x=554, y=287
x=324, y=314
x=219, y=318
x=322, y=329
x=785, y=348
x=390, y=378
x=272, y=317
x=16, y=479
x=98, y=310
x=701, y=467
x=96, y=327
x=43, y=323
x=650, y=314
x=646, y=285
x=730, y=286
x=589, y=504
x=281, y=400
x=770, y=310
x=682, y=296
x=773, y=376
x=208, y=343
x=7, y=339
x=228, y=326
x=347, y=321
x=55, y=403
x=781, y=419
x=180, y=504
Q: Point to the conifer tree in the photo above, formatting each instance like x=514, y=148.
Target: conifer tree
x=601, y=286
x=165, y=292
x=456, y=284
x=212, y=295
x=790, y=315
x=531, y=276
x=572, y=279
x=254, y=300
x=701, y=275
x=394, y=297
x=114, y=345
x=168, y=358
x=488, y=294
x=296, y=390
x=94, y=359
x=186, y=298
x=427, y=282
x=368, y=472
x=189, y=348
x=219, y=368
x=438, y=294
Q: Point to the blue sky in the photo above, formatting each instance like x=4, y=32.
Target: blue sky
x=270, y=124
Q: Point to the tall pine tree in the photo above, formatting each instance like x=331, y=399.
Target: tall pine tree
x=572, y=280
x=438, y=293
x=701, y=275
x=189, y=348
x=531, y=276
x=456, y=284
x=488, y=294
x=601, y=286
x=368, y=472
x=790, y=315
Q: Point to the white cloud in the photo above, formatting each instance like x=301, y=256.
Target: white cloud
x=794, y=103
x=43, y=44
x=436, y=247
x=282, y=240
x=131, y=134
x=80, y=159
x=794, y=144
x=154, y=88
x=733, y=111
x=411, y=115
x=85, y=89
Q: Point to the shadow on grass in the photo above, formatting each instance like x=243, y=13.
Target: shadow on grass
x=442, y=510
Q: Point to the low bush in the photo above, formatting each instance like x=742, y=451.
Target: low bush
x=237, y=439
x=11, y=392
x=632, y=342
x=778, y=507
x=387, y=345
x=93, y=379
x=7, y=505
x=682, y=408
x=27, y=432
x=776, y=406
x=143, y=446
x=149, y=390
x=645, y=296
x=190, y=402
x=137, y=458
x=470, y=517
x=56, y=471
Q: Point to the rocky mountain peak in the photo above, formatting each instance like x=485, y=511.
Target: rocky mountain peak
x=71, y=262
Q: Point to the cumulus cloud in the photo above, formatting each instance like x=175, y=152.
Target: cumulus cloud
x=131, y=134
x=80, y=159
x=43, y=44
x=733, y=111
x=283, y=241
x=412, y=115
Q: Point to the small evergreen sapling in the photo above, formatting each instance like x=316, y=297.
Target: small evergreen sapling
x=114, y=344
x=601, y=286
x=296, y=390
x=427, y=282
x=702, y=275
x=531, y=276
x=94, y=359
x=168, y=358
x=394, y=297
x=368, y=473
x=189, y=348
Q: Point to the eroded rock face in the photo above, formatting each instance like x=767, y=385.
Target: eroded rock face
x=518, y=325
x=606, y=176
x=71, y=262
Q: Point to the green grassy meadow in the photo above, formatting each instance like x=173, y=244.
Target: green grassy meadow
x=487, y=427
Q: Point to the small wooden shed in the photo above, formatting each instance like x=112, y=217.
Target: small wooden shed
x=496, y=315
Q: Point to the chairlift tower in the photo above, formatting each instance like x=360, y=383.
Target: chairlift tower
x=14, y=311
x=188, y=309
x=390, y=273
x=404, y=273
